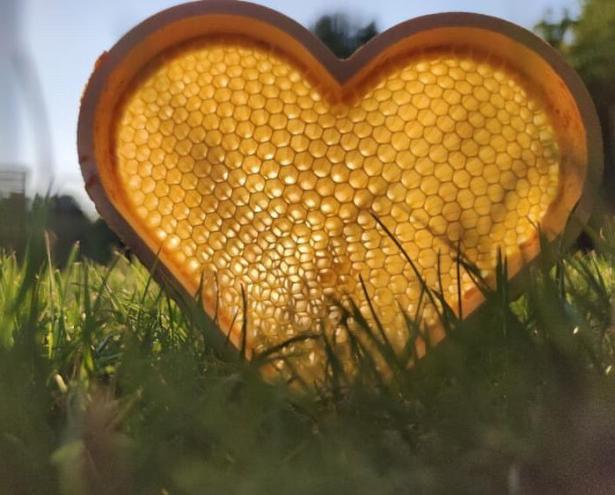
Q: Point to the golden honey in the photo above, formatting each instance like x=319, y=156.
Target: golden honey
x=248, y=176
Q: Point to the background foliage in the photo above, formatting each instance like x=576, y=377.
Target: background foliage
x=588, y=42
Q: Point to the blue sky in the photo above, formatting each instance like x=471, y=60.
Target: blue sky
x=64, y=38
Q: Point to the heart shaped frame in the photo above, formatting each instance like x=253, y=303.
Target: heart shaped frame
x=543, y=70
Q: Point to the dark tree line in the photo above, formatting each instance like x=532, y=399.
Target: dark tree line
x=64, y=223
x=342, y=35
x=588, y=43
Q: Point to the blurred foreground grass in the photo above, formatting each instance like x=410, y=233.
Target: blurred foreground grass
x=106, y=387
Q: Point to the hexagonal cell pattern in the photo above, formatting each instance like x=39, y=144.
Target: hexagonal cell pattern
x=244, y=172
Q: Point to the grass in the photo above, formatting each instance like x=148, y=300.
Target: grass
x=107, y=387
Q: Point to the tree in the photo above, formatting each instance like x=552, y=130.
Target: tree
x=342, y=35
x=589, y=45
x=593, y=54
x=66, y=225
x=556, y=31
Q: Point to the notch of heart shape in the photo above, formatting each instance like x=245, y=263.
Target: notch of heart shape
x=229, y=147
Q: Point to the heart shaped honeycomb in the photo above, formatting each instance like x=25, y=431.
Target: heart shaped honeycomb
x=241, y=169
x=245, y=169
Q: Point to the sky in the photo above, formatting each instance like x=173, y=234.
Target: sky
x=63, y=38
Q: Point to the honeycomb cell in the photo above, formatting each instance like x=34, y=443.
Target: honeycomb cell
x=241, y=169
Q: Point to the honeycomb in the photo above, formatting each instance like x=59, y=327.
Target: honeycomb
x=247, y=174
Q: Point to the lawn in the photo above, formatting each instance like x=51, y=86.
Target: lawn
x=107, y=386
